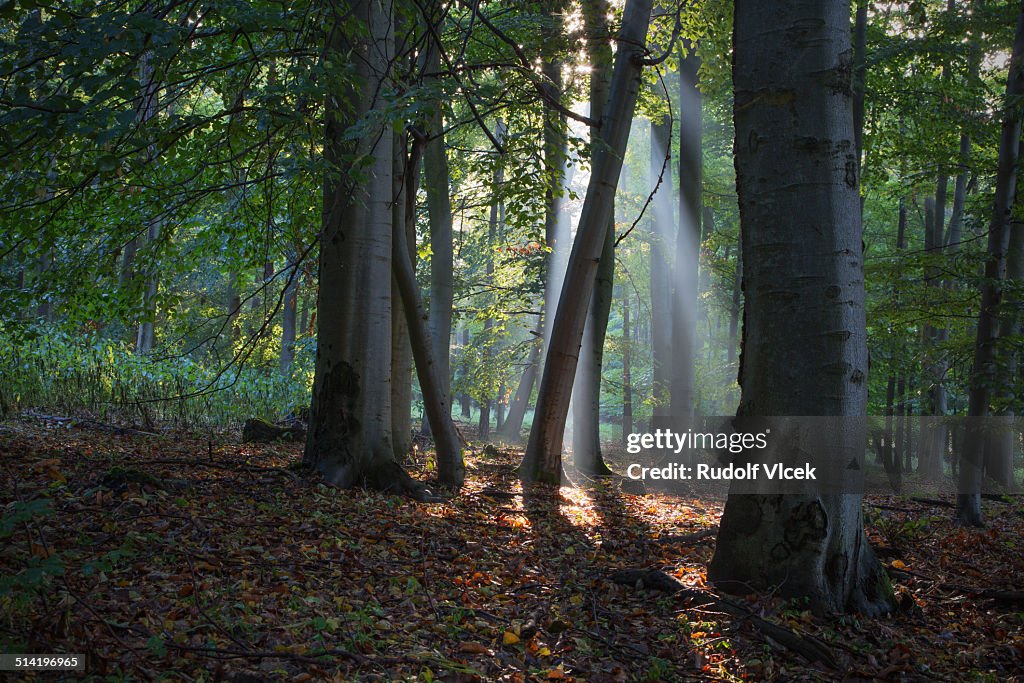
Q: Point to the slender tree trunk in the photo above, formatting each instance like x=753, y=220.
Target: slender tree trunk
x=401, y=351
x=436, y=180
x=805, y=350
x=586, y=447
x=984, y=374
x=627, y=380
x=543, y=460
x=291, y=295
x=512, y=429
x=933, y=429
x=234, y=304
x=451, y=469
x=688, y=239
x=999, y=456
x=663, y=299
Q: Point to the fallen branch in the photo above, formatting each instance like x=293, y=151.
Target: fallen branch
x=683, y=539
x=809, y=647
x=1002, y=596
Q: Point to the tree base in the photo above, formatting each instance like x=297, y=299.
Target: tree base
x=801, y=547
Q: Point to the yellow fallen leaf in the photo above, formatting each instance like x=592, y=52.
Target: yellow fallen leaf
x=898, y=564
x=509, y=638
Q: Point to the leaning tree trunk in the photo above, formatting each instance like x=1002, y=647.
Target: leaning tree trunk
x=586, y=447
x=804, y=330
x=543, y=460
x=451, y=470
x=999, y=454
x=349, y=437
x=984, y=374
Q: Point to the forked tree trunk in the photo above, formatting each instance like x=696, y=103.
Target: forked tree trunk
x=543, y=460
x=349, y=438
x=804, y=331
x=984, y=374
x=437, y=408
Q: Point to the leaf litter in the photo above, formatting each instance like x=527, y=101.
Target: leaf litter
x=192, y=557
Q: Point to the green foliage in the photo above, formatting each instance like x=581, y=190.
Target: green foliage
x=48, y=367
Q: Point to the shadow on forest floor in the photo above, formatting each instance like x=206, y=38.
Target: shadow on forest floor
x=191, y=559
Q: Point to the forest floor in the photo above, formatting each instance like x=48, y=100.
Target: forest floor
x=193, y=557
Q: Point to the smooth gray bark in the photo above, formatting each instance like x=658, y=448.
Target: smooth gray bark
x=804, y=331
x=686, y=283
x=543, y=460
x=586, y=446
x=984, y=373
x=436, y=181
x=401, y=351
x=349, y=436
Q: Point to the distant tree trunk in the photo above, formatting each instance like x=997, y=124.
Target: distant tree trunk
x=804, y=331
x=499, y=407
x=234, y=304
x=663, y=303
x=401, y=351
x=291, y=294
x=146, y=331
x=985, y=373
x=349, y=437
x=685, y=290
x=437, y=408
x=933, y=429
x=543, y=460
x=436, y=181
x=513, y=426
x=464, y=400
x=627, y=380
x=45, y=264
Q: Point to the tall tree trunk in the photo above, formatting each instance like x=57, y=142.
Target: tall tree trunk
x=586, y=447
x=627, y=379
x=663, y=301
x=146, y=331
x=933, y=430
x=805, y=347
x=436, y=180
x=984, y=373
x=688, y=239
x=543, y=460
x=349, y=437
x=437, y=408
x=401, y=351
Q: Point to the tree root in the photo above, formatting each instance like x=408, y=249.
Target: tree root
x=809, y=647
